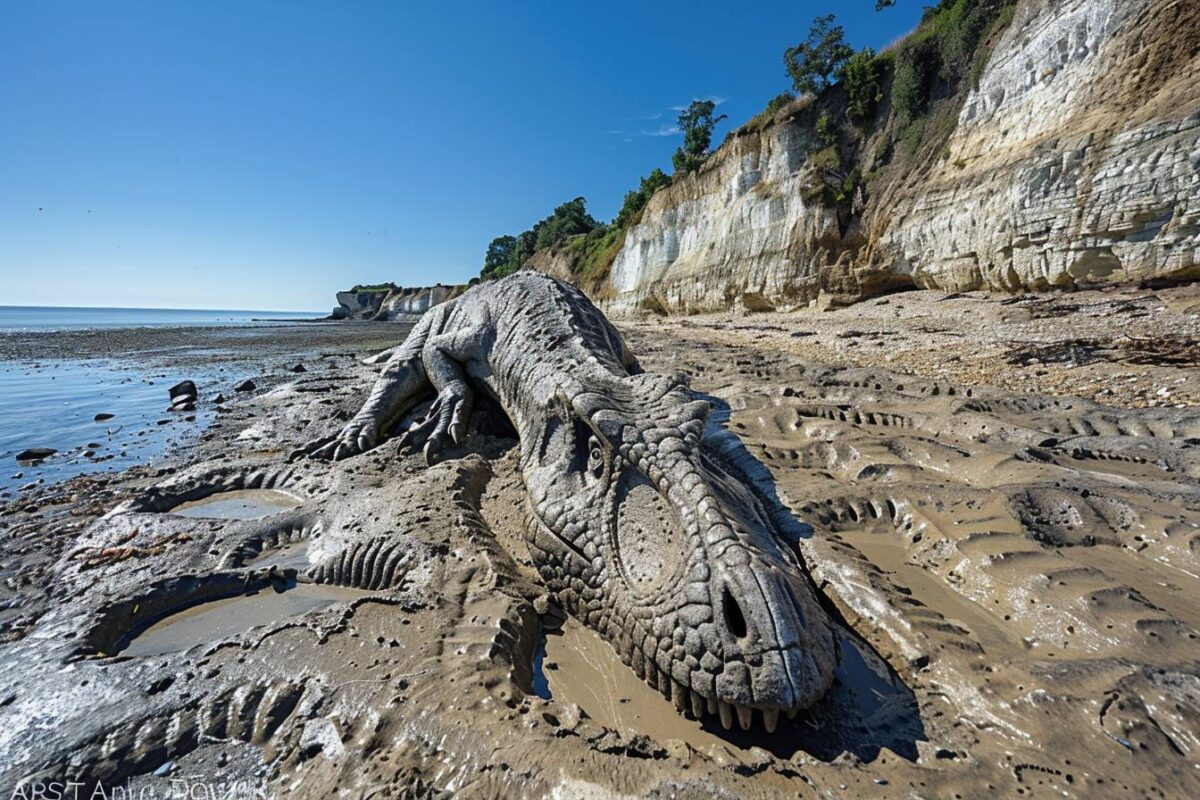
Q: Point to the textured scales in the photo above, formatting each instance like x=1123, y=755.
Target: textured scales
x=643, y=531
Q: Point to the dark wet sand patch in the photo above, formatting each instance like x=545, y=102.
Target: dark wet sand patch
x=869, y=707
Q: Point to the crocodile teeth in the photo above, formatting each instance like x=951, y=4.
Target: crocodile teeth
x=791, y=713
x=712, y=704
x=745, y=717
x=770, y=719
x=726, y=714
x=679, y=696
x=697, y=704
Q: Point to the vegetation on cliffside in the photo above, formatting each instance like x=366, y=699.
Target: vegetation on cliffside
x=591, y=245
x=869, y=113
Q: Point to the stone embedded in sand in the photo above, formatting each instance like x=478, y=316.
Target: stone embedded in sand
x=102, y=416
x=245, y=386
x=183, y=396
x=36, y=454
x=297, y=368
x=183, y=389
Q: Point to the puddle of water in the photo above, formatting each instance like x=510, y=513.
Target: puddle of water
x=293, y=556
x=230, y=616
x=868, y=706
x=240, y=504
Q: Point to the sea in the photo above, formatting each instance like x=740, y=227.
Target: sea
x=103, y=414
x=50, y=318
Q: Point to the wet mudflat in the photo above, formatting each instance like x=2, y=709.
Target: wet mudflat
x=98, y=397
x=1014, y=573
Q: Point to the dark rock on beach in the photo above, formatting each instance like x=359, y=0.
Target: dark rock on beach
x=245, y=386
x=183, y=396
x=36, y=454
x=183, y=389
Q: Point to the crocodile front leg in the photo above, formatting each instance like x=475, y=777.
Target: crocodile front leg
x=450, y=413
x=401, y=383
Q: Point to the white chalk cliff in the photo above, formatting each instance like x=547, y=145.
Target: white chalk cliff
x=1075, y=160
x=395, y=303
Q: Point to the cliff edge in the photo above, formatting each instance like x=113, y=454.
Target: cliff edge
x=1070, y=157
x=388, y=301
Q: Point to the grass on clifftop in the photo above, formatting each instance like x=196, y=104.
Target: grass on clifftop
x=375, y=288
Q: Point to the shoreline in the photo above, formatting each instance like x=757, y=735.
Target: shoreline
x=59, y=380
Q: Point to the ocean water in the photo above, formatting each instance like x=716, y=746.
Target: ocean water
x=50, y=318
x=52, y=402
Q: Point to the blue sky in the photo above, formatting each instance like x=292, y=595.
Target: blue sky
x=263, y=155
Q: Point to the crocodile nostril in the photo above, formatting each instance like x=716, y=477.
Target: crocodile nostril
x=734, y=619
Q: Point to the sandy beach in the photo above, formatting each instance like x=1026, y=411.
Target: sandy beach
x=1008, y=545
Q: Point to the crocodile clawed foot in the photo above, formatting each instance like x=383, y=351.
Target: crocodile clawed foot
x=357, y=437
x=445, y=424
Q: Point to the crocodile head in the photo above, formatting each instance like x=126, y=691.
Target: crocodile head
x=652, y=541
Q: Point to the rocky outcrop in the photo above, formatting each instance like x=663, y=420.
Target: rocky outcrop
x=1075, y=160
x=392, y=302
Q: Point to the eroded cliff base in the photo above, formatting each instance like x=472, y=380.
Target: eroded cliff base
x=1014, y=572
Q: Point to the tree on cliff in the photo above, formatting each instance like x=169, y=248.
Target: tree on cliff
x=636, y=199
x=696, y=122
x=813, y=64
x=506, y=254
x=569, y=219
x=499, y=253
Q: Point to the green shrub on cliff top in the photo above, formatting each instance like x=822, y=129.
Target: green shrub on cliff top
x=862, y=78
x=506, y=254
x=636, y=199
x=943, y=48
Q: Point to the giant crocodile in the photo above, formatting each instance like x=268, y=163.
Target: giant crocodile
x=640, y=530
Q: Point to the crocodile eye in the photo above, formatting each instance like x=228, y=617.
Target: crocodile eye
x=595, y=458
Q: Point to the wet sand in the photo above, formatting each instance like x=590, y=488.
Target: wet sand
x=1015, y=574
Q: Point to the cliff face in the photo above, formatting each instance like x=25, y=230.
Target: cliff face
x=392, y=304
x=1076, y=160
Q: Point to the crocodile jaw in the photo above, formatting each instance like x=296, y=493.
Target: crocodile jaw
x=676, y=564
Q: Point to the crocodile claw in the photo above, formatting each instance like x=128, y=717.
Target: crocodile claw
x=357, y=437
x=443, y=426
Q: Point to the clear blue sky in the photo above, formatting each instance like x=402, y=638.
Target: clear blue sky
x=265, y=154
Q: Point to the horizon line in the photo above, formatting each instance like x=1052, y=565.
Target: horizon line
x=165, y=308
